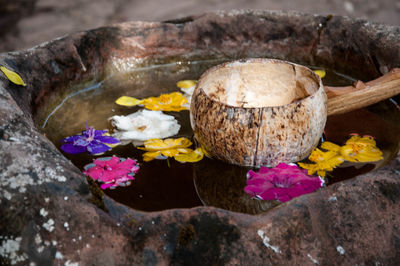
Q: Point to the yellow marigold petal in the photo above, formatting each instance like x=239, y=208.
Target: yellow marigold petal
x=191, y=157
x=153, y=145
x=317, y=155
x=186, y=83
x=128, y=101
x=205, y=152
x=12, y=76
x=320, y=72
x=149, y=156
x=184, y=142
x=358, y=140
x=329, y=146
x=166, y=102
x=310, y=167
x=170, y=152
x=321, y=173
x=184, y=150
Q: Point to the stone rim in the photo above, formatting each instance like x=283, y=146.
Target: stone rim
x=296, y=229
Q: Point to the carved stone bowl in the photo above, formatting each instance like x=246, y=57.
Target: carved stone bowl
x=48, y=215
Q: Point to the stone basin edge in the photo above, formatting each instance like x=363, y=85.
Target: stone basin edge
x=46, y=216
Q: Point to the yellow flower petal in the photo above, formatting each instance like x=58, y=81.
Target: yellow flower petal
x=320, y=72
x=191, y=157
x=166, y=102
x=149, y=156
x=170, y=152
x=361, y=149
x=110, y=145
x=329, y=146
x=167, y=147
x=186, y=83
x=323, y=161
x=12, y=76
x=128, y=101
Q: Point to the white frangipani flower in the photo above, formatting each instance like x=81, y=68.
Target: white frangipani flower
x=143, y=125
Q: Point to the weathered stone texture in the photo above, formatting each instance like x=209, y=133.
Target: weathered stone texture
x=45, y=213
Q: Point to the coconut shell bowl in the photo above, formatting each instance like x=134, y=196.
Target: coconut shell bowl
x=262, y=111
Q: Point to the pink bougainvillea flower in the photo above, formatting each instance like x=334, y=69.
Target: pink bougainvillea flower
x=282, y=183
x=112, y=171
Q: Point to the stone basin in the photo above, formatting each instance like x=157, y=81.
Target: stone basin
x=49, y=216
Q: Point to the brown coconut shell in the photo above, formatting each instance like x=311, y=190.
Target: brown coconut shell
x=258, y=111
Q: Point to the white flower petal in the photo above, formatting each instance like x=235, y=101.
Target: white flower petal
x=143, y=125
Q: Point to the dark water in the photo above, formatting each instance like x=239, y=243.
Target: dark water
x=209, y=182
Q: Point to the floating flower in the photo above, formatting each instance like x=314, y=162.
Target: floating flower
x=357, y=149
x=144, y=125
x=91, y=140
x=162, y=149
x=191, y=157
x=282, y=183
x=165, y=102
x=187, y=86
x=112, y=171
x=323, y=161
x=320, y=72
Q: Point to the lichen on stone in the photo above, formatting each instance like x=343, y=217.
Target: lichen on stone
x=97, y=194
x=186, y=235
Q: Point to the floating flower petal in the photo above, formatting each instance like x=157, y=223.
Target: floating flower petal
x=144, y=125
x=320, y=72
x=165, y=102
x=112, y=171
x=191, y=157
x=282, y=183
x=128, y=101
x=323, y=161
x=91, y=140
x=361, y=149
x=161, y=149
x=187, y=86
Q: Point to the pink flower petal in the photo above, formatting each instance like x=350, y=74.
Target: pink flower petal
x=282, y=183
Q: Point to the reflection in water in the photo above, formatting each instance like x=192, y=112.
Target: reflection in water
x=221, y=185
x=209, y=182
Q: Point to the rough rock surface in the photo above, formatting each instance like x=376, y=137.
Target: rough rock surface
x=31, y=22
x=47, y=212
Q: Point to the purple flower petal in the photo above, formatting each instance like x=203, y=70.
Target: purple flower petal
x=99, y=133
x=107, y=139
x=73, y=149
x=71, y=139
x=97, y=148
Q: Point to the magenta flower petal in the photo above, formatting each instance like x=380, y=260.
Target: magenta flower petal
x=71, y=148
x=109, y=185
x=95, y=172
x=114, y=162
x=282, y=183
x=112, y=171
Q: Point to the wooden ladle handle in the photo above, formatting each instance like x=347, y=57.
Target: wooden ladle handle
x=345, y=99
